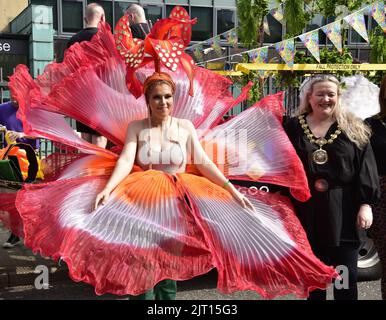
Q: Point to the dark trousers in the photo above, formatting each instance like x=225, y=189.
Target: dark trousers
x=345, y=255
x=378, y=232
x=164, y=290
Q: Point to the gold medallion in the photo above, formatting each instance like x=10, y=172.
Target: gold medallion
x=320, y=156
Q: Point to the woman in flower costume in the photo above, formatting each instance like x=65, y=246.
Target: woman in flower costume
x=157, y=223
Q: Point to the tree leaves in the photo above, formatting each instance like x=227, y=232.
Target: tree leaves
x=251, y=15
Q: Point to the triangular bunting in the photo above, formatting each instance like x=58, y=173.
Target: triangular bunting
x=378, y=13
x=311, y=42
x=232, y=38
x=197, y=52
x=214, y=43
x=286, y=50
x=357, y=22
x=278, y=14
x=259, y=55
x=266, y=26
x=333, y=32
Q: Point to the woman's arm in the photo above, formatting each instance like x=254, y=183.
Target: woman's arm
x=368, y=186
x=123, y=165
x=208, y=169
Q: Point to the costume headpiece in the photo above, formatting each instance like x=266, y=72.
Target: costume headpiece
x=164, y=45
x=159, y=76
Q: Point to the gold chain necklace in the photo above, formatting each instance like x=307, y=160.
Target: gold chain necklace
x=319, y=156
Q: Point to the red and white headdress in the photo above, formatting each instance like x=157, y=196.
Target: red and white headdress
x=164, y=45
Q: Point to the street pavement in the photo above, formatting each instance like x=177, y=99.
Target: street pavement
x=19, y=271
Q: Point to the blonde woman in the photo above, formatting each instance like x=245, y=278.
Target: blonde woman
x=342, y=174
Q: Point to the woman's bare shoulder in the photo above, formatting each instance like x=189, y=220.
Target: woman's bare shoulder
x=186, y=124
x=137, y=125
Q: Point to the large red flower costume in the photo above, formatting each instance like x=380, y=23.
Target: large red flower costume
x=155, y=225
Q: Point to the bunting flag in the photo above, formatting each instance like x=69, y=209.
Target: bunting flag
x=311, y=42
x=197, y=52
x=278, y=14
x=266, y=26
x=286, y=49
x=357, y=22
x=259, y=55
x=333, y=32
x=232, y=38
x=215, y=45
x=378, y=13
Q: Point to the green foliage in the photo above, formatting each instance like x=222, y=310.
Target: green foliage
x=255, y=93
x=327, y=7
x=296, y=17
x=378, y=53
x=378, y=46
x=251, y=14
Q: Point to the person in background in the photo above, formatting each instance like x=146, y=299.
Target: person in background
x=378, y=143
x=14, y=132
x=137, y=19
x=94, y=14
x=335, y=149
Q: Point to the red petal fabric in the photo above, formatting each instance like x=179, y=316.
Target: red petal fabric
x=157, y=226
x=254, y=146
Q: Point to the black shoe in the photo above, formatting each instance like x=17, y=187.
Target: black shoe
x=12, y=241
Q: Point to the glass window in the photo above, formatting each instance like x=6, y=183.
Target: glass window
x=54, y=5
x=153, y=12
x=60, y=46
x=226, y=20
x=324, y=38
x=373, y=23
x=355, y=37
x=276, y=30
x=8, y=63
x=169, y=9
x=317, y=22
x=72, y=16
x=108, y=7
x=203, y=29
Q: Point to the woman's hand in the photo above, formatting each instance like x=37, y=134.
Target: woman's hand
x=102, y=198
x=365, y=217
x=242, y=199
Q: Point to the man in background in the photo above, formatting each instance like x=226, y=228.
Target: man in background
x=137, y=19
x=94, y=14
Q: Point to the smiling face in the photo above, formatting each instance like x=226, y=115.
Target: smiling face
x=323, y=98
x=160, y=100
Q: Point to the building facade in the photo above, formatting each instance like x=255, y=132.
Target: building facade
x=35, y=32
